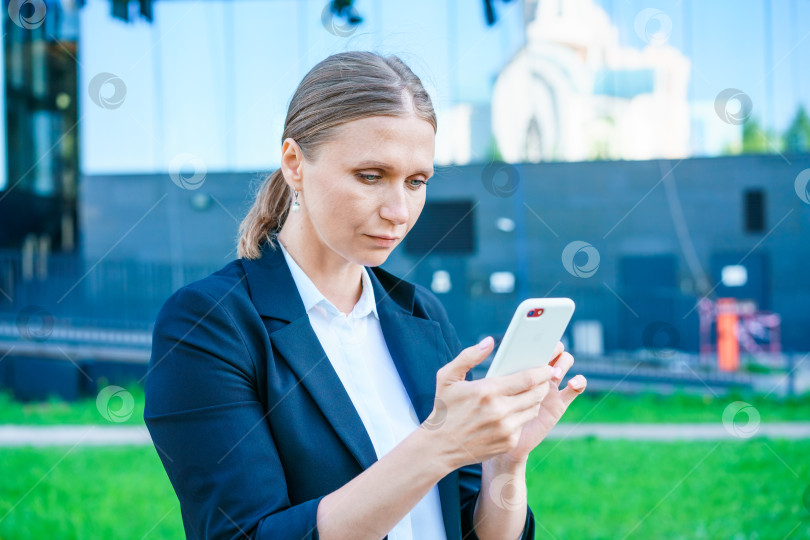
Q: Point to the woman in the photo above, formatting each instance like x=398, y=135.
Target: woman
x=302, y=392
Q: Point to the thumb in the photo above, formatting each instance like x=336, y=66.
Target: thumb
x=456, y=370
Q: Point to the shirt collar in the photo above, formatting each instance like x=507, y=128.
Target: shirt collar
x=312, y=297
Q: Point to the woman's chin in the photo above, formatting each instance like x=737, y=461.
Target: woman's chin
x=373, y=257
x=376, y=260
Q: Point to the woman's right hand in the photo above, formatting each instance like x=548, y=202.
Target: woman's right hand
x=475, y=420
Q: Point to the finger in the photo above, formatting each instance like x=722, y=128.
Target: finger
x=574, y=388
x=558, y=350
x=527, y=415
x=563, y=363
x=456, y=370
x=517, y=383
x=531, y=397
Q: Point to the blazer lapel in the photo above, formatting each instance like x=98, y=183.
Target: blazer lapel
x=299, y=346
x=414, y=343
x=275, y=296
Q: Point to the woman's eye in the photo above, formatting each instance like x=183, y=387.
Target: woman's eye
x=374, y=178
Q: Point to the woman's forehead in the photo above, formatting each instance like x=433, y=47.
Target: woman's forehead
x=386, y=140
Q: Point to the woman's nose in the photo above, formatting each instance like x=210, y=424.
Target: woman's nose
x=395, y=207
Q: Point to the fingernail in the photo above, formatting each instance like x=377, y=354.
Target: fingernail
x=556, y=373
x=578, y=382
x=485, y=342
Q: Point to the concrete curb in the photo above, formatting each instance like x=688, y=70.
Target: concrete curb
x=100, y=435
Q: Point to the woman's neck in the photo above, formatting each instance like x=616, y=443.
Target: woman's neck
x=339, y=280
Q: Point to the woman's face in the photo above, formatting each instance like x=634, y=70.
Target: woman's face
x=366, y=188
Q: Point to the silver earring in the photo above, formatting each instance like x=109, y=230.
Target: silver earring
x=295, y=205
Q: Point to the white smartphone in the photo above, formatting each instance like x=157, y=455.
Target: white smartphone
x=536, y=327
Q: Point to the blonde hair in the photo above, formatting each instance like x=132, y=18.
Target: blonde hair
x=344, y=87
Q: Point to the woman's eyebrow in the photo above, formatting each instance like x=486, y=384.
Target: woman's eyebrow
x=386, y=166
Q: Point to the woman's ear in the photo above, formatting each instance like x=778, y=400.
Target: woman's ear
x=292, y=163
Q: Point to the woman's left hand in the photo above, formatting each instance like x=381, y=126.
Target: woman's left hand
x=552, y=407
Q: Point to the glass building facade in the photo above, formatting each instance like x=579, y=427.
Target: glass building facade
x=38, y=183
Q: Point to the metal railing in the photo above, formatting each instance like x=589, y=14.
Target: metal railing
x=108, y=294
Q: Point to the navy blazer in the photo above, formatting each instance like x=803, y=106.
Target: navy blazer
x=249, y=418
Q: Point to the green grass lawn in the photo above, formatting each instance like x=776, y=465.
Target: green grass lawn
x=613, y=489
x=583, y=488
x=679, y=408
x=589, y=407
x=86, y=493
x=56, y=411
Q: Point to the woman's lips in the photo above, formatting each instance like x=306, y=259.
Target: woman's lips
x=383, y=241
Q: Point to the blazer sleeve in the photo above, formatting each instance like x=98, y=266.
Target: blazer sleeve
x=208, y=426
x=469, y=475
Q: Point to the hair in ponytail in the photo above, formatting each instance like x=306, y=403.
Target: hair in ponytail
x=266, y=216
x=340, y=89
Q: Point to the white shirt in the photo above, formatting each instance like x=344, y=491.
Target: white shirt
x=356, y=348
